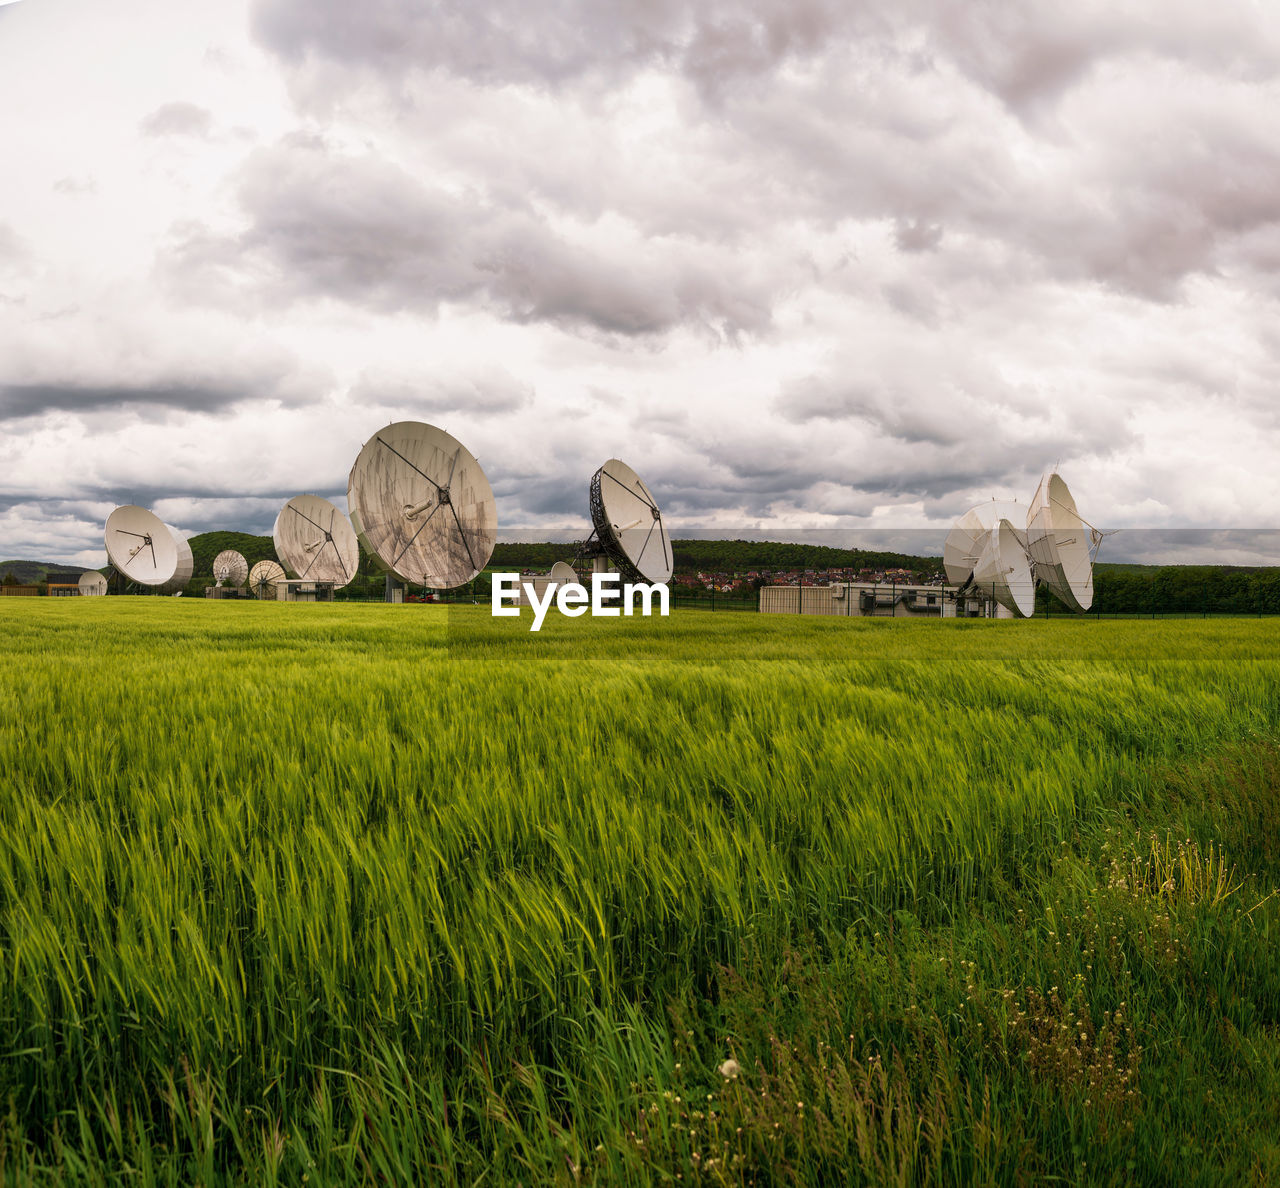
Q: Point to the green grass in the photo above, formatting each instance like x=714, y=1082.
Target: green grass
x=408, y=894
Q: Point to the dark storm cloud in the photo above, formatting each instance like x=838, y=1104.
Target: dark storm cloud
x=1030, y=54
x=550, y=495
x=912, y=235
x=1158, y=190
x=365, y=231
x=29, y=400
x=1027, y=54
x=177, y=119
x=142, y=382
x=511, y=40
x=1193, y=546
x=940, y=394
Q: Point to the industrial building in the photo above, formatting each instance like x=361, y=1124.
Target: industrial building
x=867, y=599
x=63, y=585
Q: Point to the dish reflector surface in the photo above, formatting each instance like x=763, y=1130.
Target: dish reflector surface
x=1059, y=544
x=968, y=537
x=421, y=504
x=140, y=546
x=315, y=540
x=263, y=577
x=1003, y=570
x=186, y=566
x=92, y=584
x=563, y=573
x=629, y=523
x=230, y=568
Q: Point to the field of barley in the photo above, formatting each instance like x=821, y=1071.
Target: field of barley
x=406, y=894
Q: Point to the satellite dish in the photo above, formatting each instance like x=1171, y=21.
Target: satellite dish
x=1003, y=570
x=315, y=540
x=230, y=568
x=421, y=504
x=140, y=546
x=263, y=578
x=629, y=523
x=968, y=537
x=963, y=547
x=93, y=584
x=186, y=566
x=1059, y=544
x=562, y=573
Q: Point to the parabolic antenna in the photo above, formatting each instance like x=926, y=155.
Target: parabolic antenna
x=1003, y=570
x=1059, y=544
x=562, y=573
x=421, y=504
x=263, y=577
x=230, y=568
x=315, y=540
x=186, y=563
x=968, y=537
x=93, y=584
x=629, y=524
x=140, y=546
x=963, y=547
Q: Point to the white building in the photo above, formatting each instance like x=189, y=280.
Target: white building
x=885, y=599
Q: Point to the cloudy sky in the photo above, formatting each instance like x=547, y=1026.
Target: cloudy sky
x=805, y=264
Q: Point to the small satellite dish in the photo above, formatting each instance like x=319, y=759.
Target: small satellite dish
x=263, y=578
x=1003, y=570
x=140, y=546
x=93, y=584
x=628, y=523
x=562, y=573
x=421, y=504
x=1059, y=543
x=230, y=568
x=315, y=540
x=186, y=566
x=968, y=536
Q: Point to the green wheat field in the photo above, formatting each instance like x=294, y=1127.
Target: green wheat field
x=367, y=894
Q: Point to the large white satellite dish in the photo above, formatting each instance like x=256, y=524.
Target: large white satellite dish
x=186, y=565
x=140, y=546
x=230, y=568
x=263, y=578
x=1003, y=570
x=92, y=584
x=421, y=504
x=969, y=535
x=964, y=546
x=562, y=573
x=629, y=523
x=315, y=540
x=1059, y=544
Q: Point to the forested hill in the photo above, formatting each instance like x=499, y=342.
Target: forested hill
x=728, y=556
x=691, y=556
x=31, y=573
x=206, y=546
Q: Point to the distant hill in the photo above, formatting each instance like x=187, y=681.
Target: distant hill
x=32, y=573
x=728, y=556
x=206, y=546
x=1113, y=567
